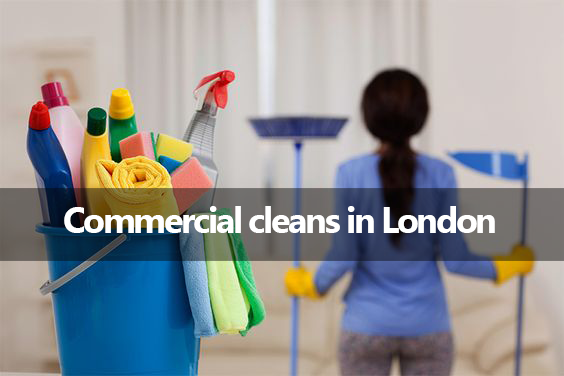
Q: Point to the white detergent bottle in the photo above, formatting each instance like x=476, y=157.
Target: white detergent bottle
x=67, y=127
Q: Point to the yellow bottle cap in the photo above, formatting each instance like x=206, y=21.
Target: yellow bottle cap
x=121, y=106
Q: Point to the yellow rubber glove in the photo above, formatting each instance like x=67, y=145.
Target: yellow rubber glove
x=519, y=262
x=299, y=282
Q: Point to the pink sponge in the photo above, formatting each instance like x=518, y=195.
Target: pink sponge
x=190, y=182
x=137, y=144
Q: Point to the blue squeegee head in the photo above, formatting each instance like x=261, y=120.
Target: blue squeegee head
x=297, y=128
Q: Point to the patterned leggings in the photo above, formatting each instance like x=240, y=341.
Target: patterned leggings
x=429, y=355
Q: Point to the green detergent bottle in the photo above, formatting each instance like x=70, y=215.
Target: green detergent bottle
x=121, y=121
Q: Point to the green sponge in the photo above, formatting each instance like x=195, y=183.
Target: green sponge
x=173, y=148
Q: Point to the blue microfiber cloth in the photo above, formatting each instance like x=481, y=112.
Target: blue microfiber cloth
x=196, y=278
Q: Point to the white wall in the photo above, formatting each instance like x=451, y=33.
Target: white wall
x=495, y=70
x=87, y=37
x=496, y=76
x=325, y=52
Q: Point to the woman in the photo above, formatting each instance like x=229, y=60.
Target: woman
x=397, y=308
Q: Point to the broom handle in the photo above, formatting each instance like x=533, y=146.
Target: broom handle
x=297, y=246
x=521, y=288
x=297, y=199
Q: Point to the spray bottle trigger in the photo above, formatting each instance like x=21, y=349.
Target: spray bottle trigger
x=218, y=87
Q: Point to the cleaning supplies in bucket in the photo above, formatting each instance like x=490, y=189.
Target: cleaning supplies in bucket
x=131, y=333
x=190, y=179
x=52, y=171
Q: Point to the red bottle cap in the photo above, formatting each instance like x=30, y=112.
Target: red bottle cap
x=53, y=95
x=39, y=117
x=219, y=88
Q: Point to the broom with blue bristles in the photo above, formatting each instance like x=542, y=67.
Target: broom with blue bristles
x=297, y=130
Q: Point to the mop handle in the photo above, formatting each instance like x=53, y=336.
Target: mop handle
x=296, y=257
x=521, y=288
x=49, y=286
x=518, y=346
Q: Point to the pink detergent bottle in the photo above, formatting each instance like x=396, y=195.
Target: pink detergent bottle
x=67, y=127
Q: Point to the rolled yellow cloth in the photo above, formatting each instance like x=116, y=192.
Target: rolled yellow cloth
x=137, y=186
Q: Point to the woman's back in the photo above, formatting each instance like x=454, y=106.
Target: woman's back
x=390, y=282
x=362, y=172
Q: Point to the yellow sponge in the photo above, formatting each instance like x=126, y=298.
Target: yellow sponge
x=173, y=148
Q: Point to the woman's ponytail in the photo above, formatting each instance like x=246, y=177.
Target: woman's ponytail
x=395, y=107
x=397, y=167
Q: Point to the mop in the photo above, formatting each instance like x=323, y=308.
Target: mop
x=297, y=129
x=505, y=166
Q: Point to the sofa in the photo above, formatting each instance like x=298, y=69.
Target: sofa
x=483, y=318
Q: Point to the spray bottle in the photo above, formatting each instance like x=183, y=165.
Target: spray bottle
x=52, y=171
x=200, y=131
x=67, y=127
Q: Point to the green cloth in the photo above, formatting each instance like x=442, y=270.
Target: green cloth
x=256, y=309
x=227, y=298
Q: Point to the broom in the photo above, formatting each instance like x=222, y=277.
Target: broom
x=505, y=166
x=297, y=130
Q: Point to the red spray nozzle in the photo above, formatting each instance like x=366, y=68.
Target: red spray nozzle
x=219, y=88
x=39, y=117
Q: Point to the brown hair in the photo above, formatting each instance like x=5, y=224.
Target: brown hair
x=395, y=107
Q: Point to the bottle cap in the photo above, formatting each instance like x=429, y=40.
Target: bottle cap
x=121, y=106
x=96, y=125
x=53, y=95
x=39, y=117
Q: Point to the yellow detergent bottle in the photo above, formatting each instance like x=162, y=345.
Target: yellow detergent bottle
x=96, y=146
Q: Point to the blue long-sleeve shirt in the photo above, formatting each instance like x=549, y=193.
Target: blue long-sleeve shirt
x=404, y=296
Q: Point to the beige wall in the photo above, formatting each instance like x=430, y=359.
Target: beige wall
x=87, y=37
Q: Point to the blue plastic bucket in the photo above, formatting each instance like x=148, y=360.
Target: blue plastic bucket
x=121, y=317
